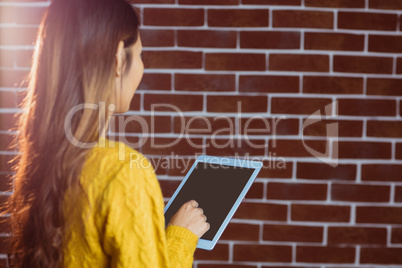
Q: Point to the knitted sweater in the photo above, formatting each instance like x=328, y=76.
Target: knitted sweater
x=122, y=224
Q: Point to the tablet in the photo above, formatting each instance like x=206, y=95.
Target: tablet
x=218, y=184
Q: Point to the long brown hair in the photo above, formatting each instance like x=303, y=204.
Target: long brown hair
x=73, y=63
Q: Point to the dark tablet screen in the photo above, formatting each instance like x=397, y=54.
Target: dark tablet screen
x=216, y=188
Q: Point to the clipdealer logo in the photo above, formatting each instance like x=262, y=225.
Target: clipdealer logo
x=328, y=113
x=331, y=154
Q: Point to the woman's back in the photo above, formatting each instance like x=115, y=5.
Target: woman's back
x=123, y=223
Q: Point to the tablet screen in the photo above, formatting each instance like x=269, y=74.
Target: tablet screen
x=216, y=188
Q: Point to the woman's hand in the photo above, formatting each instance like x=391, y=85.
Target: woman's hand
x=192, y=217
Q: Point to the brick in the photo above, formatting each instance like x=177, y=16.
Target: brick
x=29, y=15
x=178, y=168
x=157, y=38
x=400, y=23
x=363, y=64
x=23, y=58
x=381, y=255
x=241, y=232
x=8, y=99
x=160, y=164
x=4, y=225
x=334, y=41
x=357, y=235
x=299, y=62
x=396, y=235
x=7, y=58
x=384, y=86
x=217, y=265
x=238, y=17
x=295, y=148
x=173, y=17
x=272, y=2
x=382, y=172
x=19, y=96
x=152, y=1
x=234, y=147
x=321, y=171
x=208, y=2
x=269, y=83
x=335, y=3
x=4, y=262
x=172, y=59
x=229, y=104
x=326, y=254
x=28, y=1
x=256, y=191
x=206, y=38
x=360, y=193
x=332, y=85
x=292, y=233
x=3, y=200
x=202, y=125
x=18, y=36
x=261, y=211
x=179, y=101
x=276, y=169
x=399, y=65
x=152, y=81
x=305, y=106
x=4, y=244
x=204, y=82
x=346, y=128
x=385, y=43
x=292, y=266
x=390, y=4
x=262, y=253
x=258, y=125
x=398, y=149
x=143, y=124
x=320, y=213
x=296, y=191
x=12, y=78
x=367, y=107
x=303, y=19
x=378, y=215
x=8, y=121
x=367, y=21
x=168, y=187
x=220, y=252
x=135, y=104
x=7, y=142
x=175, y=146
x=400, y=109
x=398, y=194
x=235, y=62
x=270, y=40
x=7, y=14
x=389, y=129
x=364, y=150
x=6, y=182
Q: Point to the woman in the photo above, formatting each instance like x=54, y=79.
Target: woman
x=80, y=206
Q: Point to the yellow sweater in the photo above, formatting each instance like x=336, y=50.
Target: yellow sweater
x=123, y=225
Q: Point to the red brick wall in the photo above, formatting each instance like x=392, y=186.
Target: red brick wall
x=282, y=61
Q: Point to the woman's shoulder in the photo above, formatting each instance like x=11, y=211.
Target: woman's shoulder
x=114, y=160
x=115, y=151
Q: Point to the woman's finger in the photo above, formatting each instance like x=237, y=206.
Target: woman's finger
x=194, y=203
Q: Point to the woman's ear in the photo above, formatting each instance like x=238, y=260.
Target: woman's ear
x=119, y=58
